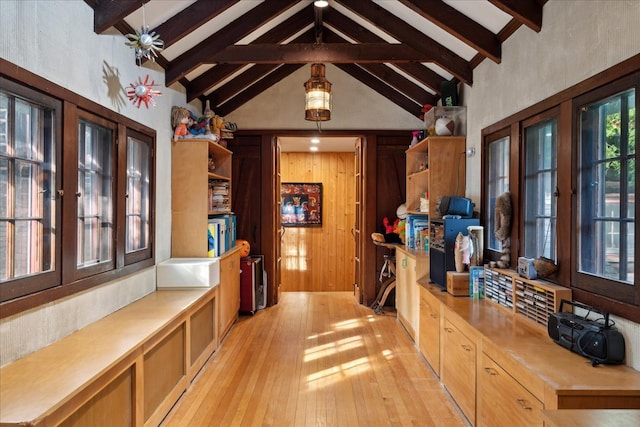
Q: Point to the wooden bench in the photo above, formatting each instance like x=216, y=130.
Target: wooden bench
x=127, y=369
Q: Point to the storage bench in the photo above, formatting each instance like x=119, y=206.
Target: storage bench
x=127, y=369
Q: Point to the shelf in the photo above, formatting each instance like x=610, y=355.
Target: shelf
x=533, y=299
x=418, y=174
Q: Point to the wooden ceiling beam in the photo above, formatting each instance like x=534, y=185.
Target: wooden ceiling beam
x=304, y=53
x=458, y=25
x=278, y=34
x=107, y=14
x=528, y=12
x=250, y=76
x=258, y=87
x=231, y=33
x=411, y=36
x=191, y=18
x=391, y=77
x=358, y=33
x=382, y=88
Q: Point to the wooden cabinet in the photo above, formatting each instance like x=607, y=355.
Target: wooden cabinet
x=429, y=335
x=502, y=369
x=459, y=366
x=407, y=297
x=197, y=165
x=228, y=291
x=436, y=166
x=517, y=406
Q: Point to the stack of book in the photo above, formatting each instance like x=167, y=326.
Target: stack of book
x=219, y=196
x=417, y=232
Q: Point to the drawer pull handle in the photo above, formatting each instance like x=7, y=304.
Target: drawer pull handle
x=466, y=347
x=523, y=404
x=448, y=330
x=490, y=371
x=433, y=316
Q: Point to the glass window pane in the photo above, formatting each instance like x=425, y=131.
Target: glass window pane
x=497, y=183
x=540, y=190
x=137, y=208
x=4, y=124
x=27, y=179
x=27, y=131
x=95, y=194
x=606, y=196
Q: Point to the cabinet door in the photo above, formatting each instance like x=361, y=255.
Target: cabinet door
x=502, y=401
x=228, y=292
x=429, y=340
x=459, y=368
x=413, y=298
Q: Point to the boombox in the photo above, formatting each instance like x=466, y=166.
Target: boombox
x=595, y=339
x=455, y=205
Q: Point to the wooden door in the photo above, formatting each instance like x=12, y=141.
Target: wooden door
x=278, y=229
x=357, y=227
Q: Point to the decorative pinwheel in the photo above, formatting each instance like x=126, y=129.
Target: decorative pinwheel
x=146, y=43
x=142, y=91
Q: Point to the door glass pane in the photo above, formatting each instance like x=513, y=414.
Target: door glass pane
x=95, y=194
x=497, y=183
x=4, y=124
x=606, y=188
x=540, y=190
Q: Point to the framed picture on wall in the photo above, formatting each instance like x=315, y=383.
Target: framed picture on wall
x=301, y=204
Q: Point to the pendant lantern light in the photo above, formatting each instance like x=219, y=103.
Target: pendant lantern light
x=318, y=95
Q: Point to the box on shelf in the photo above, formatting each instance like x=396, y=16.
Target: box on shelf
x=446, y=121
x=476, y=281
x=458, y=284
x=176, y=273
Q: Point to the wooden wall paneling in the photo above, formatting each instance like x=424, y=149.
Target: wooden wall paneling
x=321, y=258
x=247, y=192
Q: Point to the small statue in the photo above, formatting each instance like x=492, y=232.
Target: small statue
x=179, y=120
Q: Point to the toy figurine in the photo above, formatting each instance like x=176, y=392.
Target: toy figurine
x=179, y=121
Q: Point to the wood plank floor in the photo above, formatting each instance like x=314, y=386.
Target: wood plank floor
x=316, y=359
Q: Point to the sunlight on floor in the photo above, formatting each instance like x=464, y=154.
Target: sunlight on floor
x=332, y=348
x=337, y=373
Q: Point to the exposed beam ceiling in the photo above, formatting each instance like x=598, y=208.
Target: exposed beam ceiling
x=229, y=51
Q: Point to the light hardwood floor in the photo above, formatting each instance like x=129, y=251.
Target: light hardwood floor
x=316, y=359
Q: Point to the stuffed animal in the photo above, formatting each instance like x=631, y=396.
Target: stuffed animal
x=179, y=120
x=218, y=125
x=503, y=212
x=196, y=126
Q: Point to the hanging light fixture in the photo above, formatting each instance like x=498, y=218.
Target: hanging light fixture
x=318, y=95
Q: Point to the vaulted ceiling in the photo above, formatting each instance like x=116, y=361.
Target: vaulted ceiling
x=229, y=51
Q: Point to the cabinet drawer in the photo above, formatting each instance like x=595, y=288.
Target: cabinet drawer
x=459, y=368
x=502, y=401
x=429, y=341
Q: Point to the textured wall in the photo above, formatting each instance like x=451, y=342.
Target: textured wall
x=55, y=40
x=579, y=39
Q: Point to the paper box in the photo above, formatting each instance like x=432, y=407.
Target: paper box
x=458, y=284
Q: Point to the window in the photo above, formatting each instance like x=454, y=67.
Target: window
x=540, y=190
x=497, y=182
x=138, y=196
x=28, y=232
x=95, y=196
x=71, y=219
x=606, y=193
x=572, y=173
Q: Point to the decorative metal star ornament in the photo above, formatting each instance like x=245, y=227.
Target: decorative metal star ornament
x=143, y=91
x=146, y=44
